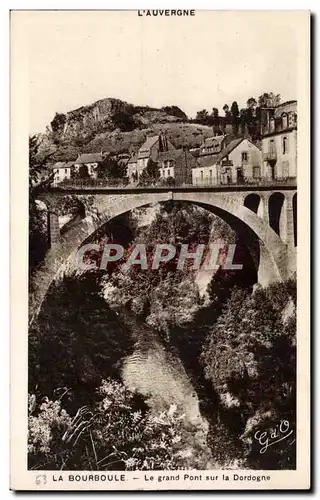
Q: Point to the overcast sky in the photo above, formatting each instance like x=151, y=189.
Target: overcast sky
x=195, y=62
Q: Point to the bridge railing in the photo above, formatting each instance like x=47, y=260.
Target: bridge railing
x=106, y=183
x=290, y=181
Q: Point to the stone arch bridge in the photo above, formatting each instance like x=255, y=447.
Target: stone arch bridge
x=264, y=216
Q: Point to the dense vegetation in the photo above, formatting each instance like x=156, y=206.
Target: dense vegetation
x=240, y=121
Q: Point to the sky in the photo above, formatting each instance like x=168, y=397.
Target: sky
x=75, y=58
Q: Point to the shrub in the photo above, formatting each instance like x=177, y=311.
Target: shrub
x=119, y=433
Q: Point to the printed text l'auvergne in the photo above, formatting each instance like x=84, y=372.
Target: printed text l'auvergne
x=166, y=13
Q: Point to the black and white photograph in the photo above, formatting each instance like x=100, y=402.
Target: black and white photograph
x=164, y=159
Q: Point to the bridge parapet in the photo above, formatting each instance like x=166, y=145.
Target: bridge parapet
x=97, y=185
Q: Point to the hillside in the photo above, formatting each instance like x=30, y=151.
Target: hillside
x=116, y=126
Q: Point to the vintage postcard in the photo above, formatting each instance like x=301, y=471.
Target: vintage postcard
x=160, y=239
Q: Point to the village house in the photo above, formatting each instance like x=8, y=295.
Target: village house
x=89, y=161
x=62, y=171
x=239, y=161
x=150, y=149
x=177, y=164
x=279, y=141
x=213, y=145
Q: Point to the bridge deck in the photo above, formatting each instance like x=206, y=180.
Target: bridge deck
x=98, y=189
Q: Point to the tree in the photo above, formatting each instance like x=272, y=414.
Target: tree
x=215, y=120
x=146, y=291
x=243, y=120
x=110, y=169
x=227, y=113
x=215, y=113
x=269, y=100
x=175, y=111
x=124, y=119
x=83, y=172
x=202, y=116
x=250, y=120
x=58, y=123
x=235, y=117
x=249, y=357
x=251, y=103
x=38, y=240
x=150, y=174
x=37, y=164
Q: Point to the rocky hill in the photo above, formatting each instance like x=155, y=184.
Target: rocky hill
x=117, y=126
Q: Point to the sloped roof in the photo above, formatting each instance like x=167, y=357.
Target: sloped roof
x=62, y=164
x=227, y=150
x=213, y=141
x=133, y=159
x=149, y=142
x=206, y=161
x=89, y=158
x=179, y=157
x=143, y=154
x=172, y=154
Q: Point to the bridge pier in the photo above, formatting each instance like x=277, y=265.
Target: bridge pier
x=53, y=229
x=283, y=221
x=266, y=270
x=264, y=210
x=290, y=221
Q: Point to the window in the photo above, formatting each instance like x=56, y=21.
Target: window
x=65, y=170
x=244, y=157
x=201, y=175
x=285, y=169
x=210, y=174
x=272, y=125
x=284, y=145
x=271, y=146
x=256, y=172
x=284, y=118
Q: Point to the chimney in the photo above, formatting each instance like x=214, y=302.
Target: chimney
x=165, y=141
x=161, y=142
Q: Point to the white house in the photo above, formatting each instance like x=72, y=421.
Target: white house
x=213, y=145
x=62, y=171
x=89, y=160
x=240, y=161
x=150, y=149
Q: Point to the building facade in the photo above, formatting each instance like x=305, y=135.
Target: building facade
x=62, y=171
x=149, y=150
x=240, y=161
x=89, y=161
x=213, y=145
x=279, y=141
x=177, y=165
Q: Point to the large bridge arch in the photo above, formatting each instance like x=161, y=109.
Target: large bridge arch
x=272, y=251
